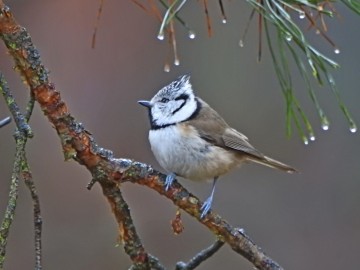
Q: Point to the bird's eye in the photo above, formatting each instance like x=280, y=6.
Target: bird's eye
x=164, y=100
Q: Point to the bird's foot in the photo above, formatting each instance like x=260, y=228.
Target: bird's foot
x=205, y=208
x=169, y=180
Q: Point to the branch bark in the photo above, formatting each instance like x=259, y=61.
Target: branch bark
x=20, y=170
x=109, y=172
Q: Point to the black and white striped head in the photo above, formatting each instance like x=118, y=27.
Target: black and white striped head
x=174, y=103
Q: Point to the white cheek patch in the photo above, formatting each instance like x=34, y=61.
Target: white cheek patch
x=179, y=104
x=174, y=112
x=156, y=114
x=185, y=111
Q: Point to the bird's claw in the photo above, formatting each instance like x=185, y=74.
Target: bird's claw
x=169, y=180
x=205, y=208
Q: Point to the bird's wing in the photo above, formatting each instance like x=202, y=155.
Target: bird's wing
x=213, y=128
x=238, y=141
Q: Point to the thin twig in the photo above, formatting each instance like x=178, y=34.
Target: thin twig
x=200, y=257
x=154, y=264
x=20, y=146
x=5, y=121
x=93, y=41
x=28, y=179
x=27, y=176
x=29, y=108
x=14, y=108
x=224, y=18
x=21, y=168
x=12, y=201
x=208, y=20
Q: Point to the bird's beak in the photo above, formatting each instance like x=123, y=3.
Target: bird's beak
x=145, y=103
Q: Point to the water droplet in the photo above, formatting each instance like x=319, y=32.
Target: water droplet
x=241, y=43
x=325, y=126
x=353, y=129
x=336, y=51
x=176, y=62
x=312, y=137
x=161, y=36
x=302, y=15
x=317, y=32
x=288, y=37
x=306, y=142
x=224, y=21
x=167, y=68
x=332, y=81
x=191, y=34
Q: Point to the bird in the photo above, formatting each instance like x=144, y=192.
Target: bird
x=189, y=139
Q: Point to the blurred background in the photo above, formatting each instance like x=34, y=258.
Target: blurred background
x=306, y=221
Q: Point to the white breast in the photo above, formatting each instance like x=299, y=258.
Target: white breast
x=180, y=150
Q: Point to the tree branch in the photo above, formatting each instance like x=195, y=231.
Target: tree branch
x=19, y=118
x=200, y=257
x=143, y=174
x=12, y=202
x=20, y=169
x=5, y=121
x=110, y=172
x=27, y=176
x=28, y=179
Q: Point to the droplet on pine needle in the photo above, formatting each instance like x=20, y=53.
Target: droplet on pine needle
x=288, y=37
x=241, y=43
x=305, y=141
x=353, y=127
x=325, y=126
x=191, y=34
x=161, y=36
x=167, y=67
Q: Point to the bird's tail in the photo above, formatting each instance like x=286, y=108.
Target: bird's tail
x=272, y=163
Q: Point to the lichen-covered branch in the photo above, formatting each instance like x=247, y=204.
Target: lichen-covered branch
x=12, y=202
x=200, y=257
x=19, y=118
x=27, y=176
x=127, y=231
x=20, y=169
x=109, y=172
x=76, y=142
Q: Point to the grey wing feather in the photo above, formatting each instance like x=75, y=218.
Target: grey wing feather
x=213, y=128
x=235, y=140
x=238, y=141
